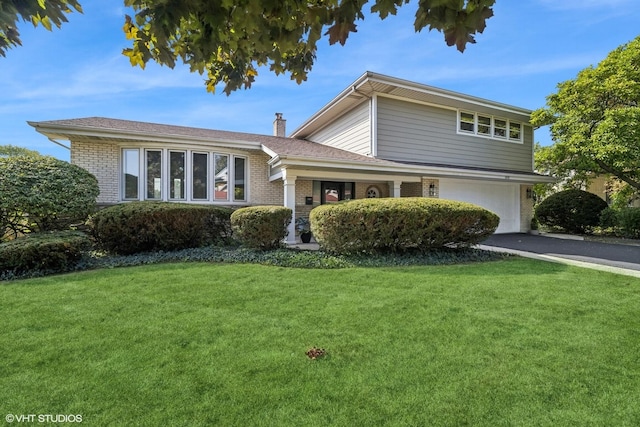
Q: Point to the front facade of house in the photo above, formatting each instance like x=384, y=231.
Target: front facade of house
x=381, y=137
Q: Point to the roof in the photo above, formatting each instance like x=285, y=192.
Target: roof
x=370, y=84
x=102, y=128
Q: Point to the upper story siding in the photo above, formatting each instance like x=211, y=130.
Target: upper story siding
x=351, y=132
x=408, y=131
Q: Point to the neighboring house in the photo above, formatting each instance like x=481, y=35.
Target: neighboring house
x=380, y=137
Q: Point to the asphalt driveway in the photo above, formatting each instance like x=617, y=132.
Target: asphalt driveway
x=607, y=254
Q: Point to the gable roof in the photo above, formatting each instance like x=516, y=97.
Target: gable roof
x=370, y=84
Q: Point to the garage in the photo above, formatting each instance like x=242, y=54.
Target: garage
x=501, y=198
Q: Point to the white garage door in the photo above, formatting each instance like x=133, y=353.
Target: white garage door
x=501, y=199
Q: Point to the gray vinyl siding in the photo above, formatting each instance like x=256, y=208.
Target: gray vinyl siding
x=420, y=133
x=351, y=132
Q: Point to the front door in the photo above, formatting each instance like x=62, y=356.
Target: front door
x=332, y=192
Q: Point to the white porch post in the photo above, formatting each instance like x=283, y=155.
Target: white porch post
x=290, y=202
x=395, y=188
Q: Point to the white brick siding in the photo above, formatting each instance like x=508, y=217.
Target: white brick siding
x=101, y=159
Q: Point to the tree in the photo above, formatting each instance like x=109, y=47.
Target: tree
x=230, y=39
x=41, y=193
x=595, y=121
x=12, y=150
x=45, y=12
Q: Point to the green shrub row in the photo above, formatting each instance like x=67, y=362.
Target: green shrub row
x=572, y=210
x=625, y=222
x=400, y=224
x=135, y=227
x=46, y=251
x=261, y=227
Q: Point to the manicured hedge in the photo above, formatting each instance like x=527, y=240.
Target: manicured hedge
x=400, y=224
x=136, y=227
x=46, y=251
x=571, y=210
x=261, y=227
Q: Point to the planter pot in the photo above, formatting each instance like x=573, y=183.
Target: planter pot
x=305, y=237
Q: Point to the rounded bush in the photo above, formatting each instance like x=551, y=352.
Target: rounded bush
x=135, y=227
x=40, y=193
x=46, y=251
x=571, y=210
x=261, y=227
x=400, y=224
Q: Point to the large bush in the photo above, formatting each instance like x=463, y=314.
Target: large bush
x=400, y=224
x=572, y=210
x=42, y=194
x=47, y=251
x=135, y=227
x=261, y=227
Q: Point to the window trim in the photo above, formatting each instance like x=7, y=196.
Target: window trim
x=492, y=131
x=165, y=175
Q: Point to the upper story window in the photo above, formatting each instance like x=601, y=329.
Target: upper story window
x=162, y=174
x=489, y=126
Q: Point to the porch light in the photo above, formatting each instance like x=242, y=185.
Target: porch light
x=529, y=193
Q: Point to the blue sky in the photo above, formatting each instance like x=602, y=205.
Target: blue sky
x=528, y=47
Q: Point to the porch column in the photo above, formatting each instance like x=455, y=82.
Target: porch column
x=395, y=188
x=290, y=202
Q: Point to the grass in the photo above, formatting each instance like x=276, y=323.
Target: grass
x=514, y=342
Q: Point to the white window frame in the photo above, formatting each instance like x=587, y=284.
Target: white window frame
x=492, y=134
x=165, y=175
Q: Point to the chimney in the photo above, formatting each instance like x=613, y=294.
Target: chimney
x=279, y=126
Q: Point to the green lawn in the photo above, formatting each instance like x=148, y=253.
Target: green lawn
x=508, y=343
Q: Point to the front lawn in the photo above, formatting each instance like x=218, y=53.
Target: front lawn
x=511, y=342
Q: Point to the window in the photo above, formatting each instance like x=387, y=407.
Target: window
x=221, y=177
x=165, y=174
x=484, y=125
x=176, y=175
x=199, y=168
x=515, y=131
x=500, y=128
x=154, y=174
x=239, y=172
x=467, y=122
x=489, y=127
x=131, y=174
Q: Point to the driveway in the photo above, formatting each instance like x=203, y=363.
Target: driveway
x=603, y=254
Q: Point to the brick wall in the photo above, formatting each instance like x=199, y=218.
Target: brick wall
x=101, y=159
x=261, y=190
x=526, y=208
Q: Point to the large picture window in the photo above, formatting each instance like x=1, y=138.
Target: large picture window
x=200, y=176
x=165, y=174
x=177, y=175
x=131, y=174
x=221, y=177
x=154, y=174
x=239, y=184
x=489, y=127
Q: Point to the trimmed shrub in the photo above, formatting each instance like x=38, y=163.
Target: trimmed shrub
x=43, y=194
x=571, y=210
x=137, y=227
x=261, y=227
x=400, y=224
x=56, y=251
x=628, y=221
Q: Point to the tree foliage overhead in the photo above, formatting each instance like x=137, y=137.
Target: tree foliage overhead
x=45, y=12
x=229, y=39
x=595, y=121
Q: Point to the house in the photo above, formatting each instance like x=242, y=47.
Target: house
x=380, y=137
